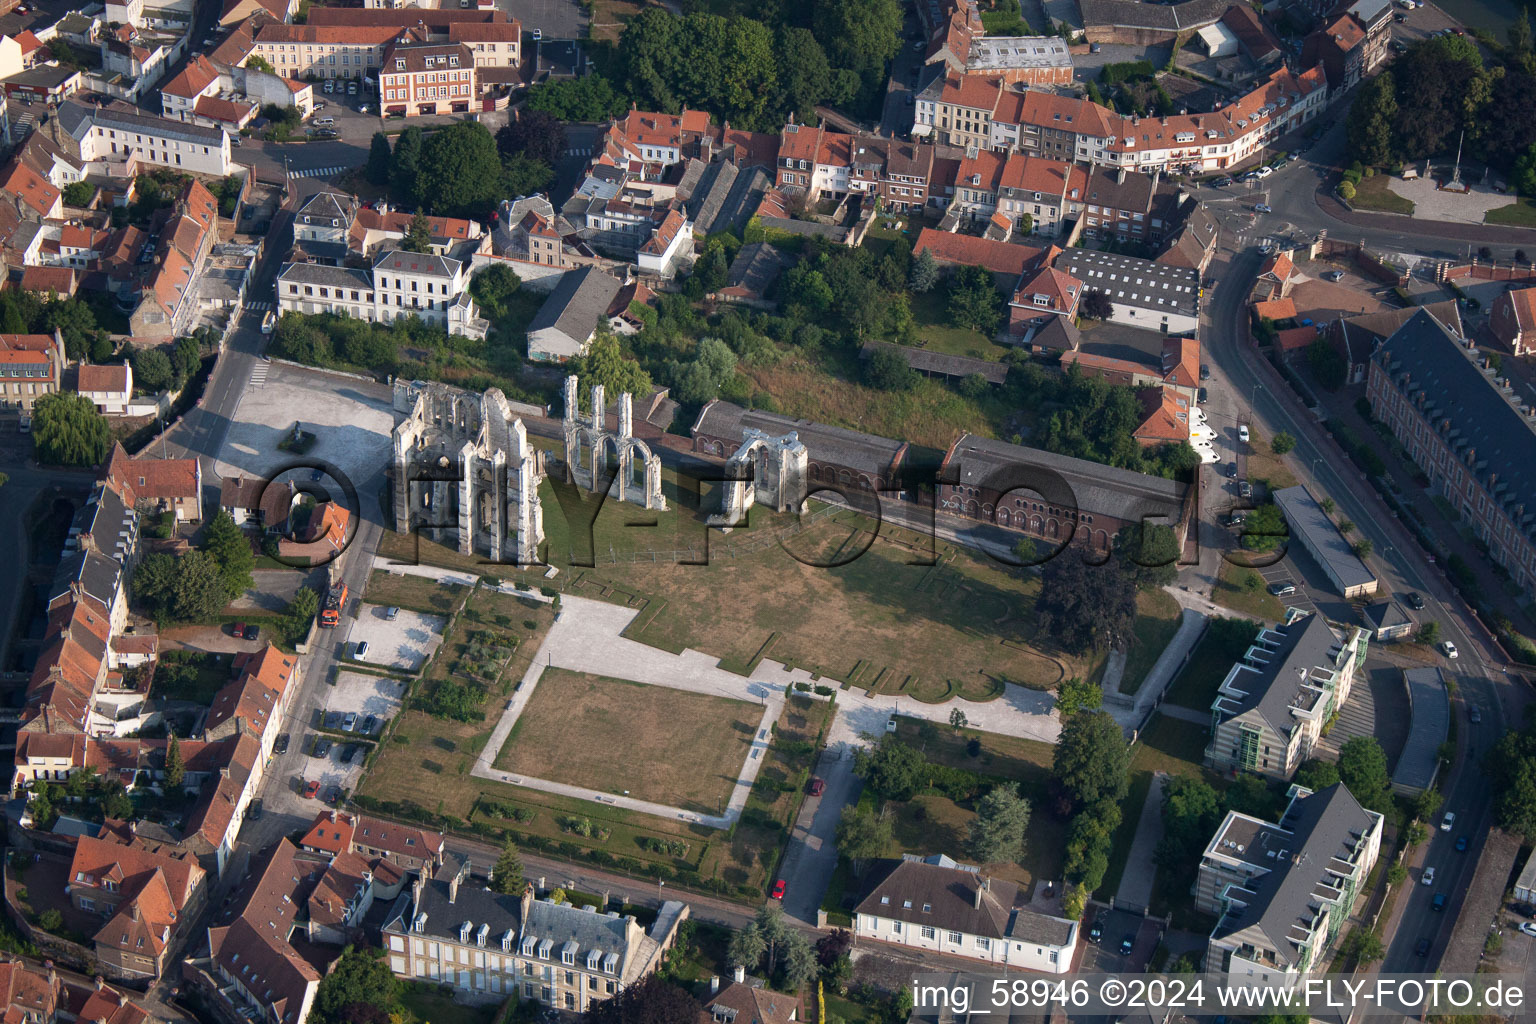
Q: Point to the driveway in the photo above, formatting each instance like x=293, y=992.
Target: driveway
x=811, y=856
x=1140, y=870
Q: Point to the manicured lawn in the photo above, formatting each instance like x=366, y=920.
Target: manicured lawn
x=1373, y=194
x=1209, y=663
x=414, y=592
x=1125, y=832
x=1521, y=214
x=1246, y=599
x=1011, y=757
x=1267, y=468
x=1155, y=625
x=930, y=310
x=679, y=748
x=432, y=1003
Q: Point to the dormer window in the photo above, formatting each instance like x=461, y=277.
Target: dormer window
x=527, y=949
x=399, y=64
x=545, y=947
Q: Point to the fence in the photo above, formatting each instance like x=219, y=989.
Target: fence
x=1485, y=271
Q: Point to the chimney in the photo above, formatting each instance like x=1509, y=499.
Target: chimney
x=527, y=903
x=739, y=974
x=101, y=983
x=714, y=984
x=976, y=897
x=53, y=975
x=1120, y=176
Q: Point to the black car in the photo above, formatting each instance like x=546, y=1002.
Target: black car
x=1127, y=944
x=323, y=747
x=1232, y=470
x=255, y=814
x=281, y=746
x=1523, y=909
x=1221, y=182
x=1205, y=371
x=1095, y=933
x=1205, y=396
x=1422, y=949
x=1438, y=903
x=369, y=724
x=1414, y=601
x=252, y=632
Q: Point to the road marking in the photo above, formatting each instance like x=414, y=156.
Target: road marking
x=259, y=374
x=316, y=172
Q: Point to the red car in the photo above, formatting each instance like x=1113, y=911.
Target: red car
x=818, y=787
x=311, y=789
x=238, y=631
x=778, y=889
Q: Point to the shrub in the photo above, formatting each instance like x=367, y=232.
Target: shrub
x=1346, y=191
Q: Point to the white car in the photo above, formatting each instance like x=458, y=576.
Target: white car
x=1528, y=928
x=1448, y=822
x=1242, y=432
x=1428, y=877
x=1449, y=649
x=1208, y=455
x=1265, y=171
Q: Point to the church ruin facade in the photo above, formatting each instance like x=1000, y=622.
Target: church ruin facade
x=765, y=469
x=591, y=450
x=465, y=474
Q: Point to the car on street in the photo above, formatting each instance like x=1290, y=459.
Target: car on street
x=1449, y=649
x=1264, y=172
x=1244, y=489
x=1282, y=589
x=281, y=746
x=252, y=632
x=1262, y=207
x=1221, y=182
x=1414, y=601
x=352, y=88
x=1461, y=844
x=1205, y=395
x=1127, y=944
x=538, y=34
x=311, y=789
x=1422, y=949
x=269, y=322
x=361, y=651
x=1474, y=714
x=1438, y=903
x=1448, y=822
x=778, y=889
x=1428, y=877
x=1232, y=470
x=324, y=133
x=1205, y=371
x=1095, y=933
x=1528, y=928
x=1242, y=432
x=818, y=787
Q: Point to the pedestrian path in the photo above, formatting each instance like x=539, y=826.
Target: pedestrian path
x=21, y=127
x=258, y=307
x=259, y=373
x=316, y=172
x=1140, y=867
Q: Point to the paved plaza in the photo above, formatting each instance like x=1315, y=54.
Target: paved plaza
x=1430, y=203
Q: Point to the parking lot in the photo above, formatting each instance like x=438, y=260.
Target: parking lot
x=405, y=642
x=362, y=694
x=1104, y=956
x=555, y=19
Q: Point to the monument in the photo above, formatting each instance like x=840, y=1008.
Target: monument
x=589, y=445
x=765, y=469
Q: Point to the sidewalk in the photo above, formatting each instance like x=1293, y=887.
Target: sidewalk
x=1440, y=229
x=1140, y=871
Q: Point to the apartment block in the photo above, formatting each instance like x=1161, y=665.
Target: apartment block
x=1469, y=431
x=1269, y=712
x=30, y=367
x=428, y=78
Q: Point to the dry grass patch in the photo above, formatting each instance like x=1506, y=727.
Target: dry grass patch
x=414, y=592
x=668, y=746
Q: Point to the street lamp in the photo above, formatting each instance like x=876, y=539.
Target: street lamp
x=1253, y=395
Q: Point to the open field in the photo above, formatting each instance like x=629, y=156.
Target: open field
x=1521, y=214
x=1267, y=468
x=678, y=748
x=414, y=592
x=1232, y=592
x=1373, y=194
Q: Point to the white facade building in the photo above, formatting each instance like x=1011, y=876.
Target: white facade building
x=115, y=136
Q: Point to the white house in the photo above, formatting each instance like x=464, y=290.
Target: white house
x=933, y=903
x=563, y=327
x=110, y=387
x=432, y=287
x=112, y=136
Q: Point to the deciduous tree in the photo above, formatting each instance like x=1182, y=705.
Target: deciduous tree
x=1091, y=760
x=460, y=171
x=652, y=1001
x=1363, y=769
x=67, y=430
x=997, y=832
x=862, y=835
x=1095, y=305
x=537, y=134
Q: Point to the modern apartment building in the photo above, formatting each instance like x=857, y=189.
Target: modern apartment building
x=1283, y=891
x=1270, y=710
x=1469, y=431
x=488, y=945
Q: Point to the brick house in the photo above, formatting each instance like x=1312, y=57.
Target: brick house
x=1513, y=320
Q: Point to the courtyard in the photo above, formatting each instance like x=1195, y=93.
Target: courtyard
x=680, y=748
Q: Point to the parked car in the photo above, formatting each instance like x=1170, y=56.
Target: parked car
x=1095, y=933
x=1205, y=396
x=1528, y=928
x=330, y=85
x=1448, y=822
x=390, y=613
x=1127, y=944
x=1282, y=589
x=1205, y=371
x=269, y=322
x=324, y=133
x=1245, y=489
x=1428, y=877
x=352, y=88
x=369, y=724
x=1242, y=432
x=1237, y=518
x=1262, y=207
x=1449, y=649
x=1334, y=275
x=325, y=122
x=361, y=650
x=252, y=632
x=778, y=889
x=237, y=631
x=818, y=787
x=1438, y=903
x=538, y=34
x=311, y=789
x=281, y=746
x=1461, y=844
x=323, y=747
x=256, y=809
x=1413, y=600
x=1264, y=172
x=349, y=721
x=1232, y=470
x=1221, y=182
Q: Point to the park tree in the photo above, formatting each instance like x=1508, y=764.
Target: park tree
x=418, y=237
x=1090, y=761
x=231, y=552
x=152, y=369
x=997, y=832
x=974, y=301
x=536, y=134
x=1095, y=305
x=892, y=769
x=1317, y=774
x=67, y=430
x=606, y=363
x=1085, y=607
x=652, y=1001
x=1191, y=810
x=887, y=370
x=924, y=273
x=507, y=875
x=957, y=720
x=1150, y=552
x=460, y=171
x=360, y=978
x=175, y=770
x=588, y=98
x=404, y=166
x=524, y=176
x=1282, y=443
x=863, y=835
x=377, y=168
x=1363, y=769
x=1371, y=118
x=1075, y=694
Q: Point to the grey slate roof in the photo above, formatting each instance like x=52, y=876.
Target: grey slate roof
x=1306, y=518
x=97, y=574
x=106, y=518
x=444, y=917
x=1385, y=615
x=1098, y=489
x=725, y=196
x=416, y=263
x=944, y=895
x=1059, y=335
x=328, y=207
x=1465, y=406
x=866, y=453
x=1131, y=281
x=589, y=930
x=577, y=303
x=1279, y=656
x=319, y=273
x=929, y=361
x=1325, y=826
x=1135, y=14
x=1428, y=727
x=756, y=267
x=77, y=119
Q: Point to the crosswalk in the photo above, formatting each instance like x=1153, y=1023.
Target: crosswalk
x=21, y=127
x=259, y=373
x=587, y=151
x=316, y=172
x=258, y=307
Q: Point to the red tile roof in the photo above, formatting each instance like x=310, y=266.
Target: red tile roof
x=1275, y=309
x=151, y=478
x=112, y=379
x=27, y=185
x=998, y=257
x=43, y=280
x=194, y=79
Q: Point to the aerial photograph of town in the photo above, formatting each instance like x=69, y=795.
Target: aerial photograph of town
x=1033, y=503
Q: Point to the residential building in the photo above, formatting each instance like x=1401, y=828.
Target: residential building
x=399, y=283
x=957, y=110
x=29, y=995
x=569, y=319
x=405, y=846
x=109, y=135
x=529, y=230
x=324, y=51
x=157, y=485
x=1142, y=293
x=144, y=897
x=451, y=932
x=322, y=224
x=1269, y=711
x=109, y=387
x=1006, y=260
x=1163, y=362
x=1283, y=891
x=239, y=12
x=1386, y=621
x=34, y=196
x=751, y=1003
x=1340, y=47
x=1468, y=430
x=427, y=78
x=1055, y=498
x=1513, y=320
x=31, y=366
x=1044, y=191
x=935, y=904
